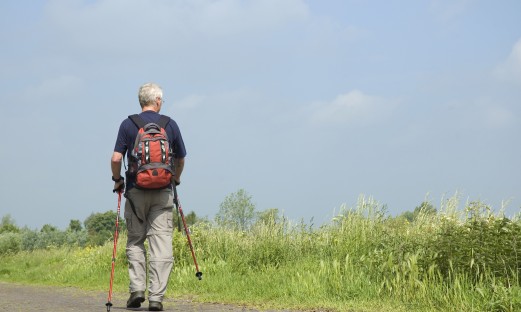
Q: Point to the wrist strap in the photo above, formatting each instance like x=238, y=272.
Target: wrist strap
x=117, y=180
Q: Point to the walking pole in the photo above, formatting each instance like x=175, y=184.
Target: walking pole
x=178, y=214
x=109, y=300
x=198, y=273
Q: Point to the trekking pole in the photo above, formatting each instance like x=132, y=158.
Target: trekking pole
x=109, y=300
x=198, y=273
x=178, y=215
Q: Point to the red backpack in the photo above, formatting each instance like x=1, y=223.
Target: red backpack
x=151, y=158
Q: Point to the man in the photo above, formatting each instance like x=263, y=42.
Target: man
x=148, y=213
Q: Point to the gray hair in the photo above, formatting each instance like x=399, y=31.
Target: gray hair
x=148, y=93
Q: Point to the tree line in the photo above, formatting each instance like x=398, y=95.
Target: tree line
x=236, y=212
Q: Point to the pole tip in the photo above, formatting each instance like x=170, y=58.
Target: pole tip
x=108, y=304
x=199, y=275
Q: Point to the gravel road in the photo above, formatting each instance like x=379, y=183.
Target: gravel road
x=18, y=298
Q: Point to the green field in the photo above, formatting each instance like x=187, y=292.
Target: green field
x=454, y=259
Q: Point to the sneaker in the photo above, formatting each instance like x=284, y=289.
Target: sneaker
x=135, y=299
x=155, y=306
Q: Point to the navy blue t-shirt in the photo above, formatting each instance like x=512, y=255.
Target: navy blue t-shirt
x=128, y=132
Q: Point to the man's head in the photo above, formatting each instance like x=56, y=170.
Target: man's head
x=150, y=96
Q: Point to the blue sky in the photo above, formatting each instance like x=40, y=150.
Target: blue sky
x=304, y=104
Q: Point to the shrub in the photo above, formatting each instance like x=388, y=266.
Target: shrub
x=10, y=242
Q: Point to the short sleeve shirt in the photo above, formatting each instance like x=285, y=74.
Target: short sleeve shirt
x=128, y=132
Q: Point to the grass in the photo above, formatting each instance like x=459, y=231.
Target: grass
x=455, y=260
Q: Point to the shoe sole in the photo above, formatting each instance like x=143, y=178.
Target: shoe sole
x=155, y=307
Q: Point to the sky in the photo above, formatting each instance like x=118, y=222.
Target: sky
x=306, y=105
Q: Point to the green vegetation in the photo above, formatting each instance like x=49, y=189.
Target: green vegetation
x=448, y=259
x=99, y=229
x=236, y=212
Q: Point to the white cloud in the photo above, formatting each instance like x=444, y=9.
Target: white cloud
x=354, y=107
x=510, y=69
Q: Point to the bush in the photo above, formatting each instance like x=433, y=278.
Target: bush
x=7, y=224
x=100, y=227
x=479, y=246
x=10, y=242
x=32, y=240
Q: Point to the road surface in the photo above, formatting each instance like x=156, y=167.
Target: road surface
x=18, y=298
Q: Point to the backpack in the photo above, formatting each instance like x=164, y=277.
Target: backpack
x=150, y=161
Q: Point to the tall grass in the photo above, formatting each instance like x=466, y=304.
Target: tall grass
x=456, y=260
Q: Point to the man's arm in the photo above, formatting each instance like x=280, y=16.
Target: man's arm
x=179, y=164
x=115, y=166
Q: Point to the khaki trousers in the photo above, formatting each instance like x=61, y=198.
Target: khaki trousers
x=154, y=207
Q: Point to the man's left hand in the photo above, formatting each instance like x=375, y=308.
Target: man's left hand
x=119, y=186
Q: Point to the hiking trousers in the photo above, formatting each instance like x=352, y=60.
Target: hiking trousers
x=154, y=208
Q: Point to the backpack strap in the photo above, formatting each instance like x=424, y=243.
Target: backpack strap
x=138, y=121
x=163, y=121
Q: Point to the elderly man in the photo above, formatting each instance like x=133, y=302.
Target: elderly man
x=148, y=211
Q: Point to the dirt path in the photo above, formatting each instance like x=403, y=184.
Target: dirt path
x=15, y=297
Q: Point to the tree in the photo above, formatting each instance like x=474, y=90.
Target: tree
x=100, y=226
x=236, y=211
x=74, y=226
x=268, y=216
x=48, y=228
x=425, y=208
x=408, y=215
x=190, y=218
x=8, y=225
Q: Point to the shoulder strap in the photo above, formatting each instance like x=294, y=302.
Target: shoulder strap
x=163, y=121
x=138, y=121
